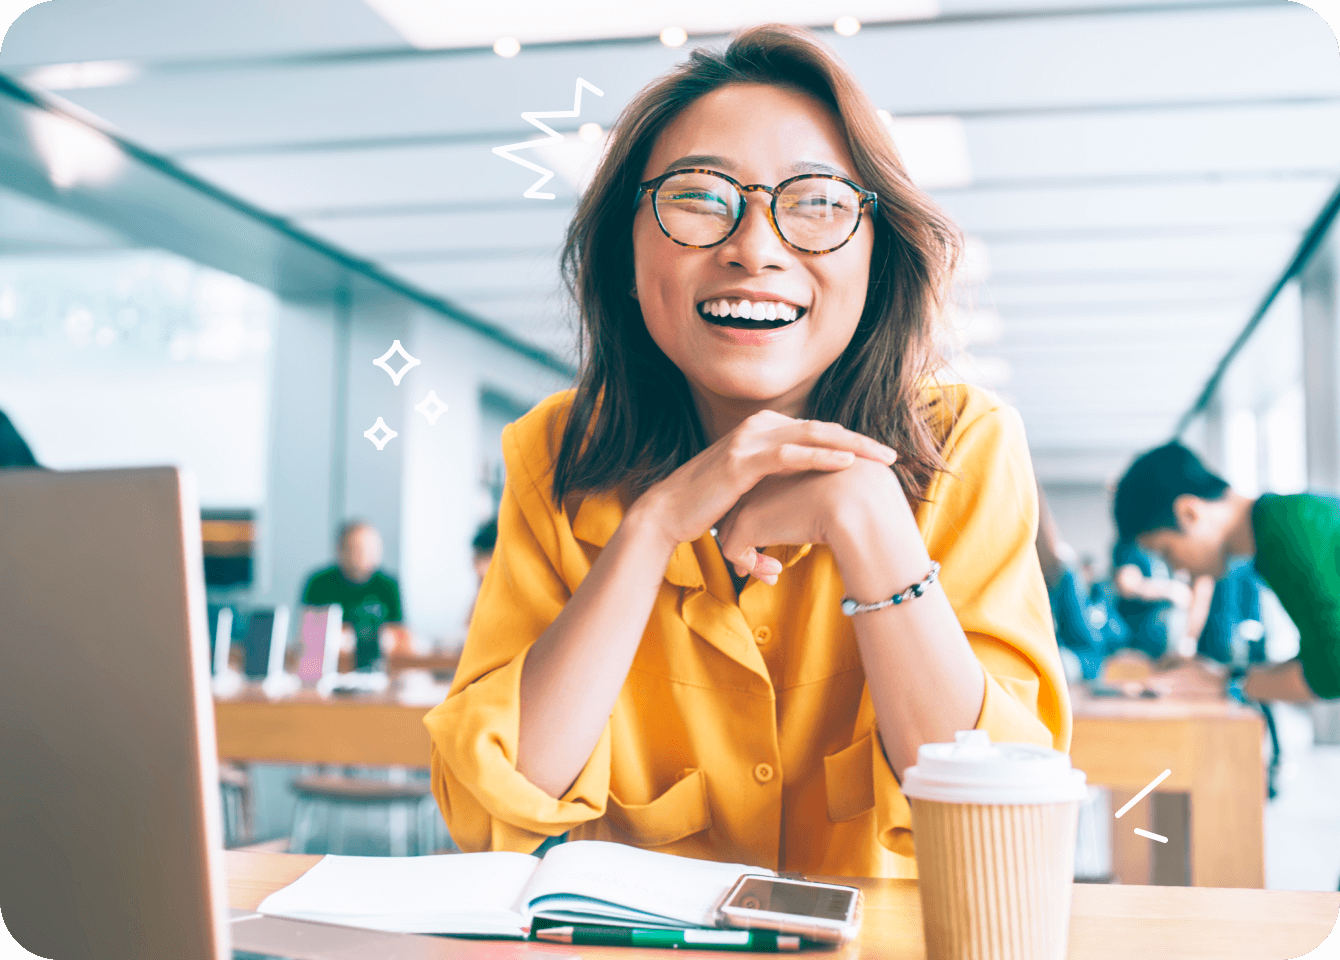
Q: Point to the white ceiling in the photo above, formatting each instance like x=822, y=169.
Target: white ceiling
x=1142, y=171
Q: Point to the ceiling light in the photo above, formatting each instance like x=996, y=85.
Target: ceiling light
x=506, y=47
x=591, y=132
x=74, y=153
x=674, y=36
x=934, y=150
x=73, y=76
x=847, y=26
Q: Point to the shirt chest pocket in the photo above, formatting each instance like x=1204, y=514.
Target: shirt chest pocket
x=849, y=781
x=679, y=812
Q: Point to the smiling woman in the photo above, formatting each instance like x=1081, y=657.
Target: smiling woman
x=758, y=283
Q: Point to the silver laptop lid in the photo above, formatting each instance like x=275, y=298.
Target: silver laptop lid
x=110, y=837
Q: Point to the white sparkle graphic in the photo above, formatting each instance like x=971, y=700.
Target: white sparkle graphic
x=387, y=435
x=1143, y=793
x=534, y=117
x=431, y=407
x=410, y=363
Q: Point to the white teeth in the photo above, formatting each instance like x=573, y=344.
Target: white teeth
x=747, y=310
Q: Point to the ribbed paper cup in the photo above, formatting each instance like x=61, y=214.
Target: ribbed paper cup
x=994, y=827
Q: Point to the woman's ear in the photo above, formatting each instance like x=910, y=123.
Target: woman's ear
x=632, y=291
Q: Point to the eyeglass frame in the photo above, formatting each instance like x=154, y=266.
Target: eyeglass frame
x=654, y=184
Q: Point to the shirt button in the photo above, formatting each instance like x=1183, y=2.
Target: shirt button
x=762, y=635
x=763, y=773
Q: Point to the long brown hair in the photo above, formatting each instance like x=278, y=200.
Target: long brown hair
x=633, y=420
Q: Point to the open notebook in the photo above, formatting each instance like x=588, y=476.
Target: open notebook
x=498, y=894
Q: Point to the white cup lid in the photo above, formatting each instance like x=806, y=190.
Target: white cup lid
x=972, y=769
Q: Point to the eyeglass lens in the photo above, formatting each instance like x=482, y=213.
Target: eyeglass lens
x=700, y=209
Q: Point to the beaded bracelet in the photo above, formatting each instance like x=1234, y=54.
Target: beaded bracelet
x=850, y=606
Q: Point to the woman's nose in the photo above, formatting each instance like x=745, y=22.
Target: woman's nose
x=755, y=245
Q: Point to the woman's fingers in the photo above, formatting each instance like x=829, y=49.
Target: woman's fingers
x=820, y=433
x=793, y=456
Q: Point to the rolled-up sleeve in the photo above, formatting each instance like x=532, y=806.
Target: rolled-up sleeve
x=980, y=523
x=486, y=803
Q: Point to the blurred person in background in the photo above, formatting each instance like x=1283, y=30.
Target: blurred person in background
x=1150, y=601
x=1074, y=629
x=481, y=549
x=1100, y=605
x=14, y=452
x=369, y=597
x=1176, y=508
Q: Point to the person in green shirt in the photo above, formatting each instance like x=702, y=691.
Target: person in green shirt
x=1174, y=507
x=368, y=597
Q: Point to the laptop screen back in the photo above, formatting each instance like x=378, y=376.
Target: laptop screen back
x=110, y=835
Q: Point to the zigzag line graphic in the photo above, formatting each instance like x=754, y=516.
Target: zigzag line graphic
x=554, y=137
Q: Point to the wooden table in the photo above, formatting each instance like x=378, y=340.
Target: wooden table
x=1212, y=746
x=309, y=728
x=1107, y=922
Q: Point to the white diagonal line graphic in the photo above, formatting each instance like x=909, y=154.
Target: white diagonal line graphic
x=534, y=117
x=1143, y=793
x=1151, y=836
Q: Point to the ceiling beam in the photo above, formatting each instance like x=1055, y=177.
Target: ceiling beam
x=484, y=137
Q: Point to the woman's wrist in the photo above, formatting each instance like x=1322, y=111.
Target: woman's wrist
x=877, y=547
x=642, y=524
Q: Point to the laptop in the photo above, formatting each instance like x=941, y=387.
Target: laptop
x=110, y=829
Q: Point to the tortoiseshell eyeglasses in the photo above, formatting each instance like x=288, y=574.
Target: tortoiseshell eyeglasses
x=812, y=213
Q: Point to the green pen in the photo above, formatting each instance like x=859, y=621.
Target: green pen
x=763, y=941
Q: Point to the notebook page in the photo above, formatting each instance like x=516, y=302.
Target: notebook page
x=677, y=888
x=448, y=893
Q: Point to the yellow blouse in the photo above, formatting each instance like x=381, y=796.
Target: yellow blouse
x=744, y=731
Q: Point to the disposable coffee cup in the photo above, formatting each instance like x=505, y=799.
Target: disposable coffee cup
x=994, y=827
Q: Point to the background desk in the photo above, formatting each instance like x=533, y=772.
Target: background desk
x=307, y=728
x=1212, y=746
x=1107, y=922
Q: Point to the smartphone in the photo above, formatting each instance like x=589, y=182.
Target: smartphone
x=822, y=912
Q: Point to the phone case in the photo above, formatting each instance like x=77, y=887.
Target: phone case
x=810, y=929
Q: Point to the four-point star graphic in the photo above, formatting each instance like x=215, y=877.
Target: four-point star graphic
x=410, y=362
x=387, y=435
x=431, y=407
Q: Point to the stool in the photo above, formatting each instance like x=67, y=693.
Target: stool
x=338, y=793
x=238, y=821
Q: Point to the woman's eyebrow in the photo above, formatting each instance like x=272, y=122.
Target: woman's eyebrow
x=708, y=160
x=814, y=166
x=699, y=160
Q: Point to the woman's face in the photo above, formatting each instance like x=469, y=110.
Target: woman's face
x=756, y=134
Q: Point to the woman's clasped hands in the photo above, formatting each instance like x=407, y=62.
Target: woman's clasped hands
x=771, y=480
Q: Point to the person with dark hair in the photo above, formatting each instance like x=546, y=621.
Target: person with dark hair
x=1073, y=629
x=369, y=597
x=759, y=555
x=14, y=452
x=1176, y=508
x=481, y=548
